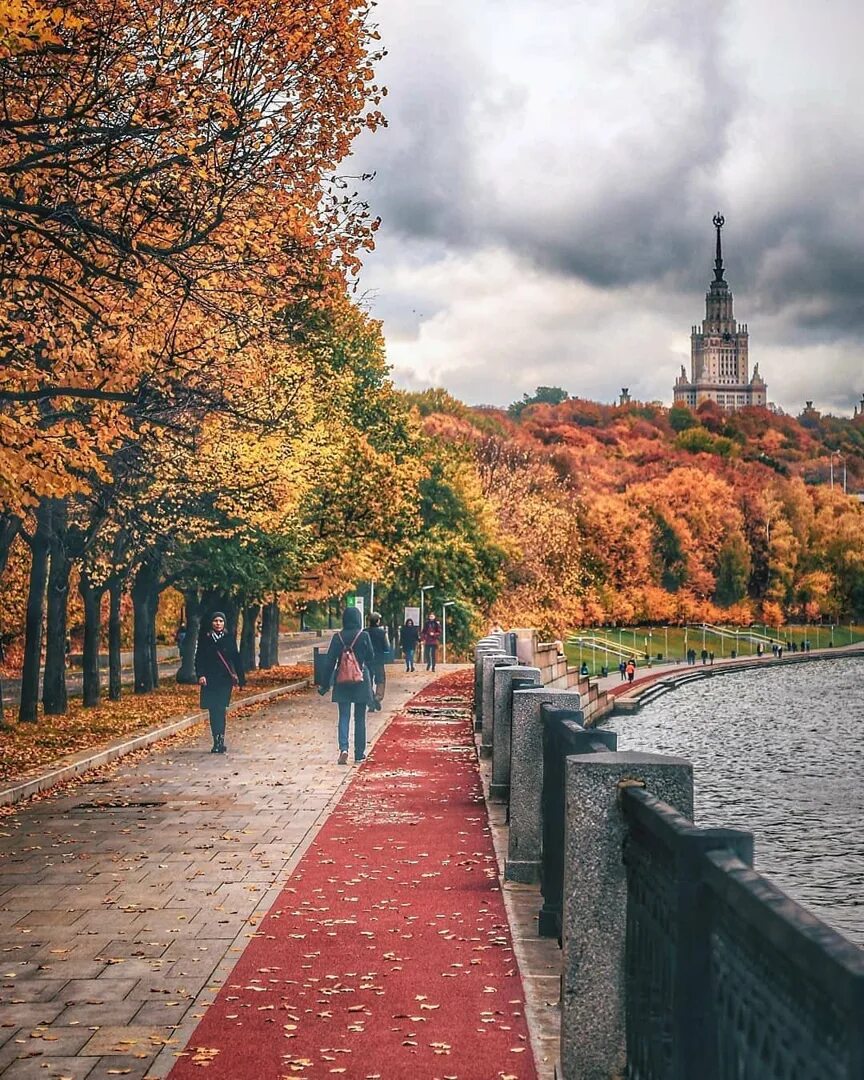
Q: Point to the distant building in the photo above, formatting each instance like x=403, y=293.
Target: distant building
x=718, y=351
x=859, y=409
x=624, y=397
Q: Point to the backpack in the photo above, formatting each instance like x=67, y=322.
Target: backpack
x=348, y=669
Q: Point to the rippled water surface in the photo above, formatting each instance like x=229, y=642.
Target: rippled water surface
x=779, y=752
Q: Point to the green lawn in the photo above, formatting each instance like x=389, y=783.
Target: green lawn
x=599, y=647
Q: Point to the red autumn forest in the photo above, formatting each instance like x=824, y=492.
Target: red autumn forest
x=640, y=513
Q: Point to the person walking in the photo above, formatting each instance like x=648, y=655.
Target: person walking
x=430, y=637
x=381, y=648
x=219, y=670
x=631, y=670
x=347, y=669
x=622, y=670
x=409, y=636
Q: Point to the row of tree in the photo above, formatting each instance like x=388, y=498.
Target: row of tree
x=188, y=395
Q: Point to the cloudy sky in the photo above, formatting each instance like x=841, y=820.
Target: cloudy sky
x=550, y=172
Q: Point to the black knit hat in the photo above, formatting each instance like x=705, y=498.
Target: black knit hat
x=218, y=615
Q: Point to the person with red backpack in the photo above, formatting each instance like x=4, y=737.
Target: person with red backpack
x=347, y=670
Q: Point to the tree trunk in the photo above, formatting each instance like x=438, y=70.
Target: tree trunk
x=270, y=634
x=194, y=606
x=277, y=618
x=115, y=660
x=232, y=616
x=27, y=708
x=92, y=597
x=265, y=659
x=144, y=590
x=54, y=694
x=9, y=526
x=152, y=611
x=247, y=636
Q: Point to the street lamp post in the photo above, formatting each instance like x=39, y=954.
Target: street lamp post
x=836, y=453
x=423, y=589
x=444, y=606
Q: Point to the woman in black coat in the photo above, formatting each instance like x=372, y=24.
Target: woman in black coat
x=346, y=694
x=219, y=670
x=409, y=637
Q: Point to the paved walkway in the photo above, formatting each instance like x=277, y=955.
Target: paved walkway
x=126, y=900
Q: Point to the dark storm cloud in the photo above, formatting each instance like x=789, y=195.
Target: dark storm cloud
x=592, y=142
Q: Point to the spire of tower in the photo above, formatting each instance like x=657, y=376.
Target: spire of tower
x=719, y=222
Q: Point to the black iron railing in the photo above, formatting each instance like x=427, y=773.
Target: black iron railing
x=727, y=978
x=563, y=734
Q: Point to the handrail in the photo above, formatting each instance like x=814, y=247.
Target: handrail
x=726, y=976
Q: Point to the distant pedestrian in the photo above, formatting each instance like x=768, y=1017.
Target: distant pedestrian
x=347, y=669
x=381, y=648
x=704, y=656
x=710, y=657
x=409, y=636
x=631, y=671
x=622, y=670
x=779, y=652
x=219, y=670
x=584, y=669
x=430, y=637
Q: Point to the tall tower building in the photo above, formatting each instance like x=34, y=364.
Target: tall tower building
x=718, y=351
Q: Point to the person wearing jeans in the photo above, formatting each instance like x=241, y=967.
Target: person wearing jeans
x=409, y=637
x=430, y=637
x=345, y=694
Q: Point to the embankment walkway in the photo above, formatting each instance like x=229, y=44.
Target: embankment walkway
x=266, y=913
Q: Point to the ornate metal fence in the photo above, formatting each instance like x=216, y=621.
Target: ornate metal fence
x=727, y=978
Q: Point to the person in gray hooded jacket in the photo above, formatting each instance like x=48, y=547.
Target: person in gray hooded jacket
x=353, y=636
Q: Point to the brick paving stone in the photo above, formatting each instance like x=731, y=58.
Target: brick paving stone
x=127, y=1040
x=108, y=1068
x=96, y=991
x=33, y=989
x=54, y=1041
x=171, y=892
x=114, y=1013
x=46, y=1068
x=30, y=1014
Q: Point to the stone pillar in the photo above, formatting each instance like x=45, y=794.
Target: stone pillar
x=502, y=716
x=525, y=844
x=490, y=662
x=593, y=1033
x=485, y=647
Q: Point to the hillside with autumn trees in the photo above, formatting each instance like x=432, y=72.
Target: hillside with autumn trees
x=638, y=514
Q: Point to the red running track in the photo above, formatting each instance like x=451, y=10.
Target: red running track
x=388, y=954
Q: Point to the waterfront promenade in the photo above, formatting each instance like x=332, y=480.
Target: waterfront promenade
x=267, y=913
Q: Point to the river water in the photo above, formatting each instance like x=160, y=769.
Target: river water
x=779, y=752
